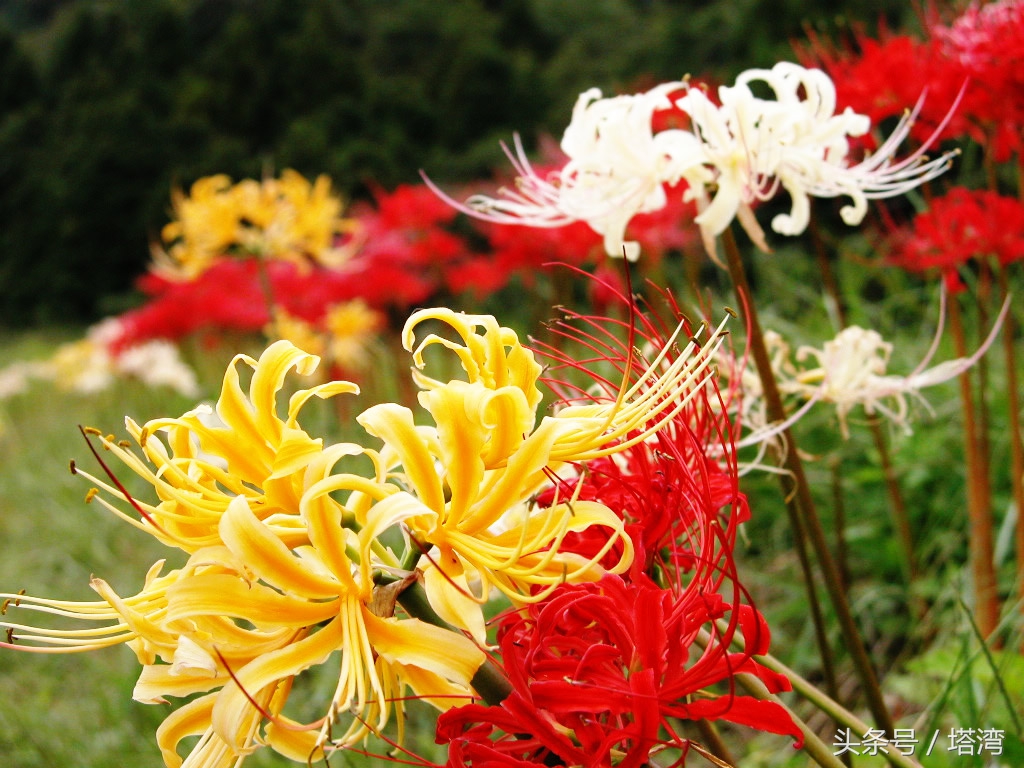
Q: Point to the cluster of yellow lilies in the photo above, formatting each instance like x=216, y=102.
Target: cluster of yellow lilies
x=282, y=218
x=297, y=551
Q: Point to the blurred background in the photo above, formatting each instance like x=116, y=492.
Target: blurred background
x=104, y=106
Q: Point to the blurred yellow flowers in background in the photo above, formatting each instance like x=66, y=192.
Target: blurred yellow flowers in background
x=285, y=218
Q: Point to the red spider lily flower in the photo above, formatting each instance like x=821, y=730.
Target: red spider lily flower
x=671, y=494
x=670, y=489
x=670, y=509
x=979, y=52
x=598, y=669
x=412, y=207
x=962, y=225
x=883, y=78
x=986, y=42
x=229, y=296
x=522, y=250
x=406, y=240
x=225, y=297
x=405, y=256
x=479, y=277
x=411, y=252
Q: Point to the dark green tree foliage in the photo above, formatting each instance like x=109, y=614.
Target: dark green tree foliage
x=104, y=106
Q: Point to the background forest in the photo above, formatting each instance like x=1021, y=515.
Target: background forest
x=104, y=106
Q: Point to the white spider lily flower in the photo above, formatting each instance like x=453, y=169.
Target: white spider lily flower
x=852, y=370
x=734, y=155
x=753, y=146
x=617, y=168
x=849, y=370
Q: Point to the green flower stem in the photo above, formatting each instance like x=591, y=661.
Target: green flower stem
x=488, y=681
x=491, y=683
x=411, y=556
x=839, y=520
x=804, y=515
x=898, y=507
x=813, y=746
x=815, y=696
x=834, y=709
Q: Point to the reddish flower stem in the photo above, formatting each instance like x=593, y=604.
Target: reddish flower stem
x=979, y=514
x=839, y=515
x=1016, y=445
x=984, y=418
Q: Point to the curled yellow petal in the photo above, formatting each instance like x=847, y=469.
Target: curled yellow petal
x=233, y=709
x=226, y=595
x=256, y=545
x=159, y=680
x=394, y=425
x=415, y=643
x=192, y=719
x=290, y=739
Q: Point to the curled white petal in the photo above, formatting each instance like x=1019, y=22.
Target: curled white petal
x=733, y=156
x=796, y=140
x=617, y=167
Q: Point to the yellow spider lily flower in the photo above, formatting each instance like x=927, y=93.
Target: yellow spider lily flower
x=281, y=576
x=345, y=338
x=287, y=218
x=208, y=457
x=469, y=478
x=204, y=226
x=352, y=327
x=240, y=622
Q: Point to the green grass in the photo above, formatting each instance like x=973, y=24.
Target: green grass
x=68, y=709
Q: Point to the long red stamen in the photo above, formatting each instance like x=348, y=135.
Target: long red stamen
x=417, y=760
x=113, y=478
